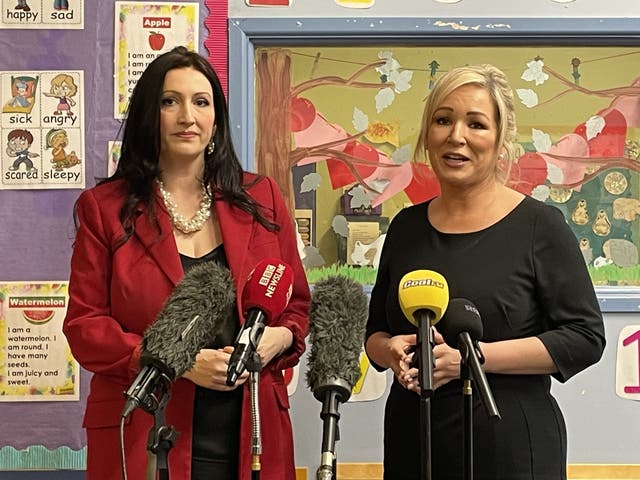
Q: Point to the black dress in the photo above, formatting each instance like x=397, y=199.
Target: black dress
x=216, y=414
x=528, y=278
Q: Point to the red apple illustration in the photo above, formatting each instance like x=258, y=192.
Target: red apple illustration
x=529, y=171
x=156, y=40
x=339, y=172
x=424, y=184
x=303, y=113
x=610, y=141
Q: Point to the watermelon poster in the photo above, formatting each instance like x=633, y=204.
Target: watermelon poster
x=35, y=360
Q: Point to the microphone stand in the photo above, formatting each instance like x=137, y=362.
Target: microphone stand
x=424, y=350
x=161, y=438
x=334, y=392
x=254, y=366
x=467, y=398
x=470, y=369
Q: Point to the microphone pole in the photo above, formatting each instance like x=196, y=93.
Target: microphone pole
x=335, y=393
x=423, y=296
x=161, y=439
x=470, y=369
x=424, y=350
x=461, y=326
x=473, y=358
x=254, y=367
x=467, y=399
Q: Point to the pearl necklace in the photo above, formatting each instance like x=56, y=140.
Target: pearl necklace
x=193, y=224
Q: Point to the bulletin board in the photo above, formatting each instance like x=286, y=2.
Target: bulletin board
x=71, y=42
x=332, y=72
x=353, y=97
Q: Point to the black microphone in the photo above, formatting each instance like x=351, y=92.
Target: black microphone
x=336, y=332
x=264, y=296
x=194, y=314
x=461, y=328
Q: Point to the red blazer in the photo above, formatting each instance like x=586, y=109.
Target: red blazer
x=115, y=293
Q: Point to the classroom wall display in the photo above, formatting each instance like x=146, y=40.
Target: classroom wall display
x=268, y=3
x=628, y=363
x=42, y=14
x=42, y=130
x=35, y=360
x=335, y=101
x=144, y=30
x=38, y=219
x=352, y=117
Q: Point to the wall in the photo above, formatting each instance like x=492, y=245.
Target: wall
x=599, y=422
x=434, y=9
x=37, y=228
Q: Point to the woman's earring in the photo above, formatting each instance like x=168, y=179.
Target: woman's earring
x=211, y=146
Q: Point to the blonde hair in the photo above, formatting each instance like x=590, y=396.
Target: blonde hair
x=58, y=80
x=495, y=82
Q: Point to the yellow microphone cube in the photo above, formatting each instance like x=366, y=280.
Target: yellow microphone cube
x=423, y=290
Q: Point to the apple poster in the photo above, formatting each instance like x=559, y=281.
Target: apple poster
x=144, y=30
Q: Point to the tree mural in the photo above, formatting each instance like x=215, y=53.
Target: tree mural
x=292, y=132
x=589, y=169
x=590, y=173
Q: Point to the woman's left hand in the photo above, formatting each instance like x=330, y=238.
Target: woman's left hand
x=446, y=365
x=274, y=341
x=210, y=369
x=446, y=362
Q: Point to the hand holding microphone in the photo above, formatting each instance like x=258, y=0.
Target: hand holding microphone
x=423, y=296
x=192, y=317
x=265, y=296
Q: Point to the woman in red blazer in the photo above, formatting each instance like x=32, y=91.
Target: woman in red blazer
x=179, y=197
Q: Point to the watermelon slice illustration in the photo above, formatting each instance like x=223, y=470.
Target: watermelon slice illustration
x=38, y=317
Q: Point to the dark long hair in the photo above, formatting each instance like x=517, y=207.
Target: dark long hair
x=138, y=164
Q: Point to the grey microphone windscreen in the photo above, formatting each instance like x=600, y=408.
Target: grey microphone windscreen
x=337, y=328
x=195, y=313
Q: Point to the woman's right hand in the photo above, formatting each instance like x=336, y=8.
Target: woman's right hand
x=399, y=347
x=210, y=369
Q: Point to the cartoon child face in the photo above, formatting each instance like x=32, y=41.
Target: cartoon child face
x=17, y=144
x=62, y=89
x=60, y=140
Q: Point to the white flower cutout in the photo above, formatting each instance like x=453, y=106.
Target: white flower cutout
x=384, y=98
x=379, y=184
x=401, y=80
x=402, y=154
x=360, y=120
x=594, y=125
x=390, y=65
x=391, y=72
x=541, y=140
x=528, y=97
x=541, y=192
x=340, y=225
x=534, y=72
x=360, y=197
x=310, y=182
x=554, y=173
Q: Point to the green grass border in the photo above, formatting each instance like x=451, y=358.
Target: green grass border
x=363, y=275
x=38, y=457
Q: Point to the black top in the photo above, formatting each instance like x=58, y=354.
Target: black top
x=216, y=414
x=527, y=277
